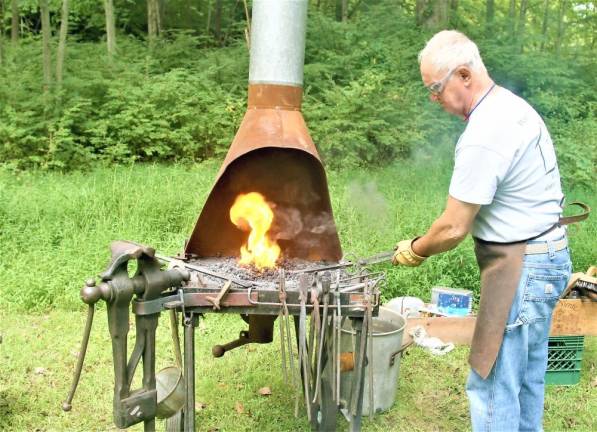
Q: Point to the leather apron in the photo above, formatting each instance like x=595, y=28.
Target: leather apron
x=501, y=267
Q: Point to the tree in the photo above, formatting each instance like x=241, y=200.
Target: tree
x=62, y=43
x=218, y=21
x=432, y=14
x=1, y=31
x=522, y=17
x=110, y=28
x=46, y=36
x=512, y=18
x=560, y=34
x=489, y=16
x=14, y=22
x=544, y=26
x=153, y=20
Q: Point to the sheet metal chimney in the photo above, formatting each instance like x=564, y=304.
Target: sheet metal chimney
x=272, y=152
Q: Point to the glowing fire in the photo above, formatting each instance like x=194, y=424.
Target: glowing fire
x=251, y=212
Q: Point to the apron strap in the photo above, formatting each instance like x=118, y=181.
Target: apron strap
x=567, y=220
x=576, y=218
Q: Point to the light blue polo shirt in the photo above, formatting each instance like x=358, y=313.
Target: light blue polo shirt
x=505, y=161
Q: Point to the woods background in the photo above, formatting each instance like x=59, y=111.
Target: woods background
x=165, y=80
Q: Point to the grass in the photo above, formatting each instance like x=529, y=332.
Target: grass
x=38, y=359
x=55, y=232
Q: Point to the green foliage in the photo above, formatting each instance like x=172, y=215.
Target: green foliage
x=182, y=99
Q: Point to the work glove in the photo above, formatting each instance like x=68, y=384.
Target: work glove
x=404, y=254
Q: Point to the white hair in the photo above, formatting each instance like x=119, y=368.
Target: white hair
x=449, y=49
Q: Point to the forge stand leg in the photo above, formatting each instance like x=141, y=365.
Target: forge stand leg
x=325, y=414
x=190, y=322
x=358, y=381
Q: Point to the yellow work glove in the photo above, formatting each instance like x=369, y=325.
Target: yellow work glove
x=404, y=254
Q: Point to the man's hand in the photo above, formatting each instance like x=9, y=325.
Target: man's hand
x=405, y=255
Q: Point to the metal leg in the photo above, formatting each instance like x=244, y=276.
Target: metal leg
x=358, y=382
x=150, y=325
x=326, y=414
x=190, y=322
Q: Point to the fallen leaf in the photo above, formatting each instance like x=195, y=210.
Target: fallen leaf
x=200, y=406
x=213, y=429
x=239, y=408
x=265, y=391
x=40, y=371
x=594, y=382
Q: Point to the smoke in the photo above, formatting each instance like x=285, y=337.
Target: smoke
x=367, y=200
x=290, y=222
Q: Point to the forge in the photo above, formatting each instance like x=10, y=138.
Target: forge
x=265, y=246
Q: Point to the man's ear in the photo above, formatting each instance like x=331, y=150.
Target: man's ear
x=464, y=74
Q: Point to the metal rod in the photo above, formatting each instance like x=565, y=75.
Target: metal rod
x=202, y=270
x=374, y=259
x=189, y=365
x=175, y=337
x=67, y=404
x=370, y=354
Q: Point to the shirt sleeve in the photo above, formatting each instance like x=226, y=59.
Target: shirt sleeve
x=477, y=174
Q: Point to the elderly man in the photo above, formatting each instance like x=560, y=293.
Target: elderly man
x=505, y=190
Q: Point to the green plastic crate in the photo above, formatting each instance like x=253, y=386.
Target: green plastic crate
x=564, y=360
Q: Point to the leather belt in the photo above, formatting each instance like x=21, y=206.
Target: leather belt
x=541, y=248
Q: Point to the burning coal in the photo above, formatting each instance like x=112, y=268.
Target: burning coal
x=250, y=212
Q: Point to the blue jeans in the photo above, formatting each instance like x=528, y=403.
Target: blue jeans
x=511, y=398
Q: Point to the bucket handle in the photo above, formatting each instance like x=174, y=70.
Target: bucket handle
x=397, y=353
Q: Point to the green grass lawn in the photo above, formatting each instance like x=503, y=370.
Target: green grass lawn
x=55, y=231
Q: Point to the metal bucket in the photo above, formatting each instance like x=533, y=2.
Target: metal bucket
x=388, y=329
x=171, y=392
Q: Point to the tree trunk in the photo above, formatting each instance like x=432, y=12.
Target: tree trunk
x=489, y=16
x=560, y=35
x=512, y=18
x=110, y=28
x=208, y=25
x=46, y=35
x=62, y=43
x=521, y=24
x=344, y=10
x=433, y=14
x=453, y=20
x=545, y=24
x=420, y=7
x=218, y=21
x=152, y=28
x=1, y=33
x=14, y=22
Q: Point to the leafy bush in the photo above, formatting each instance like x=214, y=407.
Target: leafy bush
x=364, y=103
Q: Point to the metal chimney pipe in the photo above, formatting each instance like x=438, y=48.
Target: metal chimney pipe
x=272, y=152
x=278, y=42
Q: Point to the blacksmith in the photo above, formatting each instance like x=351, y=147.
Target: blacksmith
x=505, y=190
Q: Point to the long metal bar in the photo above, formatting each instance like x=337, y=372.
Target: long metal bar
x=203, y=270
x=190, y=322
x=67, y=404
x=375, y=259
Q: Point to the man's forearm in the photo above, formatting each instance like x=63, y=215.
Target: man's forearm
x=441, y=237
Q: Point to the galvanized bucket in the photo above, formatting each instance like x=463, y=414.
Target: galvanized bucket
x=388, y=329
x=171, y=392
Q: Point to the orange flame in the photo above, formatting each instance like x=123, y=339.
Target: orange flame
x=251, y=212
